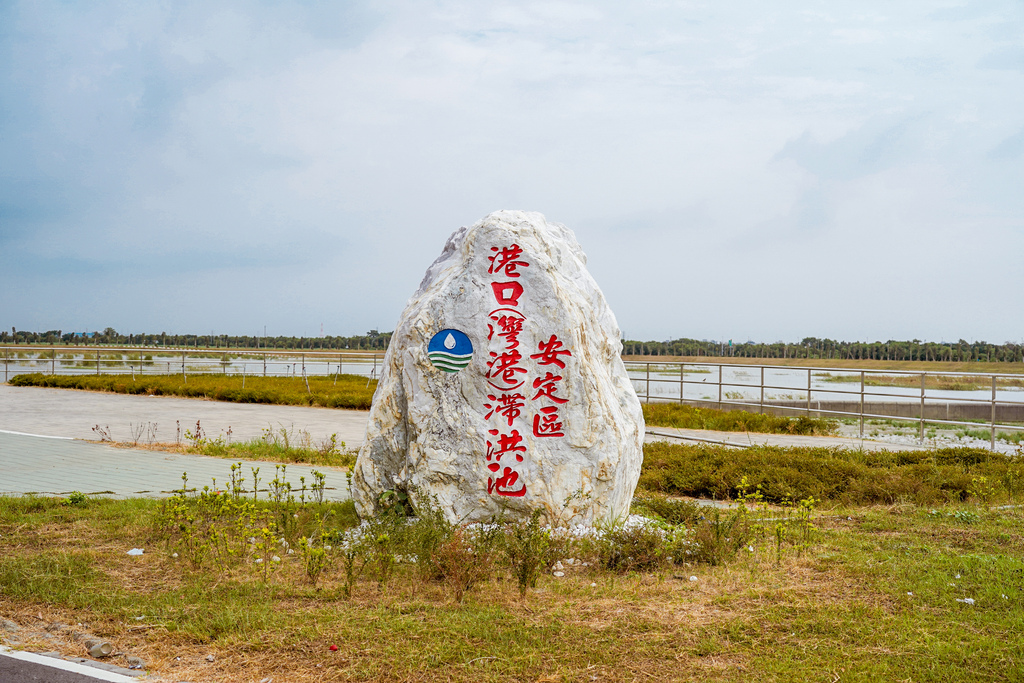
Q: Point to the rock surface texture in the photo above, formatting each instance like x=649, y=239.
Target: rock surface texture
x=503, y=390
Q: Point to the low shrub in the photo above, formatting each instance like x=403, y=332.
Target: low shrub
x=691, y=417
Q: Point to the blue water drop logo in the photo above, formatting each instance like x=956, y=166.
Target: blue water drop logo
x=450, y=350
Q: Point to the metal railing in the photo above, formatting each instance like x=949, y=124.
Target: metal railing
x=148, y=361
x=913, y=396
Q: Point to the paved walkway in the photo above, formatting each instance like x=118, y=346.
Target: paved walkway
x=68, y=412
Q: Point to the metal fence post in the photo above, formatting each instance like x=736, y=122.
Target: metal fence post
x=862, y=405
x=682, y=381
x=7, y=360
x=648, y=390
x=53, y=362
x=808, y=392
x=720, y=369
x=921, y=428
x=992, y=443
x=761, y=407
x=97, y=361
x=264, y=365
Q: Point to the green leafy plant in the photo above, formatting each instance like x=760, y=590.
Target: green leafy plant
x=526, y=545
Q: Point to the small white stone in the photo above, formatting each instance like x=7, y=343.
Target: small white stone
x=559, y=574
x=910, y=594
x=593, y=585
x=693, y=578
x=558, y=565
x=290, y=551
x=259, y=560
x=966, y=601
x=174, y=555
x=275, y=558
x=957, y=576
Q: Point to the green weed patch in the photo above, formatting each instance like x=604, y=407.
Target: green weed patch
x=347, y=391
x=690, y=417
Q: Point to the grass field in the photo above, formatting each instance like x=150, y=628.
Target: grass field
x=347, y=391
x=813, y=590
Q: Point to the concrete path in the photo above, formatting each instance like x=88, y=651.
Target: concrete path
x=58, y=466
x=22, y=667
x=68, y=412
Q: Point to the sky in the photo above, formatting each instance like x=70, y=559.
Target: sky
x=740, y=170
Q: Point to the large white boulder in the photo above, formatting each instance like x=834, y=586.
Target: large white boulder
x=502, y=390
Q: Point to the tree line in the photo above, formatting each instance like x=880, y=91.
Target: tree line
x=372, y=340
x=809, y=347
x=812, y=347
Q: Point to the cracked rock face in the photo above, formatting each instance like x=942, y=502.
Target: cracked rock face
x=502, y=390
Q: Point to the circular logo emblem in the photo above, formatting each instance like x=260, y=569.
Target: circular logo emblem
x=450, y=350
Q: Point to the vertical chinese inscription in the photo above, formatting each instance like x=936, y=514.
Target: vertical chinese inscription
x=506, y=375
x=518, y=397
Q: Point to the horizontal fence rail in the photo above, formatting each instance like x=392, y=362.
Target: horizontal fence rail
x=979, y=400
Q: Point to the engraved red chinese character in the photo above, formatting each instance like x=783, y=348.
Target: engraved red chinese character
x=546, y=386
x=503, y=485
x=547, y=422
x=506, y=443
x=504, y=365
x=504, y=259
x=509, y=327
x=549, y=352
x=507, y=293
x=507, y=405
